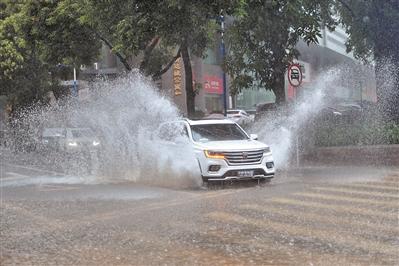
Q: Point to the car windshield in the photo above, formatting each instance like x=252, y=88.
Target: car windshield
x=82, y=133
x=53, y=132
x=217, y=132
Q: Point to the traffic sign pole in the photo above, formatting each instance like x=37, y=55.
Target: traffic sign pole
x=295, y=79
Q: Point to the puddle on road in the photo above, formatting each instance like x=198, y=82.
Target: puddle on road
x=82, y=188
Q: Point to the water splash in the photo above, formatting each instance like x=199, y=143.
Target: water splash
x=282, y=129
x=387, y=79
x=124, y=113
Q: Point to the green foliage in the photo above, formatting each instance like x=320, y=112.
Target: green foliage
x=35, y=36
x=373, y=27
x=157, y=32
x=132, y=26
x=262, y=40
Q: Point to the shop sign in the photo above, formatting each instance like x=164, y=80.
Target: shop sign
x=177, y=77
x=213, y=84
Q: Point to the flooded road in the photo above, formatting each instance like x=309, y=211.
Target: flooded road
x=306, y=216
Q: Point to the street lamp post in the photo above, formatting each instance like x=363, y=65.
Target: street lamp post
x=223, y=51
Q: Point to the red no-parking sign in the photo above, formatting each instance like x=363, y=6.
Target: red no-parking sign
x=295, y=75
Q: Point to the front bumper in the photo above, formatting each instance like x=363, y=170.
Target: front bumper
x=228, y=176
x=262, y=170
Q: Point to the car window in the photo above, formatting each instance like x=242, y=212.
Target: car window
x=217, y=132
x=82, y=133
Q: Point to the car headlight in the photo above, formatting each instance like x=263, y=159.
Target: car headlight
x=72, y=143
x=267, y=150
x=214, y=154
x=96, y=143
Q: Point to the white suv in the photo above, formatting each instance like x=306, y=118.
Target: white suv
x=224, y=151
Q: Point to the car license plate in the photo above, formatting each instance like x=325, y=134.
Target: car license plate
x=245, y=173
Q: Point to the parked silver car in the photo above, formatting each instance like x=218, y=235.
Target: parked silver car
x=241, y=117
x=69, y=139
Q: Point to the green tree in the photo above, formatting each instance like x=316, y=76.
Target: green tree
x=262, y=41
x=373, y=28
x=35, y=36
x=156, y=33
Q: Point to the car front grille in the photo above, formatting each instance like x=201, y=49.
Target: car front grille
x=244, y=157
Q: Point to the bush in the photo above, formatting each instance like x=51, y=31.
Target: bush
x=361, y=133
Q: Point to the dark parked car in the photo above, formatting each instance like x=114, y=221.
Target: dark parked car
x=265, y=109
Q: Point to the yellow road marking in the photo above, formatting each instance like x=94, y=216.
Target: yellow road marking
x=46, y=188
x=390, y=183
x=349, y=199
x=303, y=231
x=277, y=254
x=373, y=185
x=392, y=179
x=336, y=208
x=308, y=216
x=357, y=192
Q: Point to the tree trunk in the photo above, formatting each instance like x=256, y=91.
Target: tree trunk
x=279, y=88
x=387, y=82
x=188, y=73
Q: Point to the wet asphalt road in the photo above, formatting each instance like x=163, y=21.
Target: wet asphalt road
x=307, y=216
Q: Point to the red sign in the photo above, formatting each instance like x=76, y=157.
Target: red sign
x=295, y=75
x=213, y=84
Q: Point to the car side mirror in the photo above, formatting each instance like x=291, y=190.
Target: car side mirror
x=254, y=136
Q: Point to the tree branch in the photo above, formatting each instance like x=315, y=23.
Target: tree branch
x=119, y=55
x=166, y=68
x=147, y=52
x=346, y=5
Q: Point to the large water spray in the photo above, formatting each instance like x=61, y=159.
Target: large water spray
x=281, y=129
x=124, y=114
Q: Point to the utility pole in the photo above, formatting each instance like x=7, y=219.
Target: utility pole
x=223, y=51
